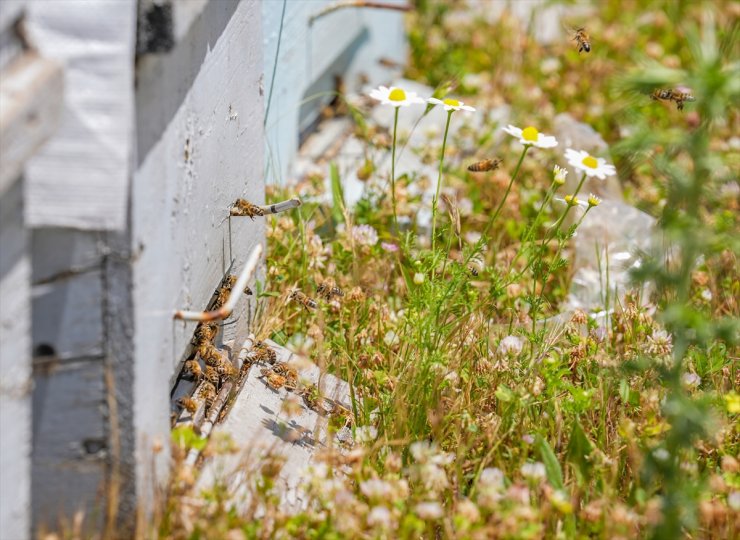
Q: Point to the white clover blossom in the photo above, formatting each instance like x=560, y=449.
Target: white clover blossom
x=379, y=516
x=375, y=488
x=590, y=165
x=395, y=97
x=433, y=477
x=366, y=434
x=660, y=343
x=365, y=235
x=389, y=247
x=451, y=104
x=690, y=380
x=559, y=175
x=429, y=510
x=510, y=346
x=492, y=478
x=529, y=136
x=533, y=471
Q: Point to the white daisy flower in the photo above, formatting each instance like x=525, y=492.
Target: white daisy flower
x=529, y=136
x=451, y=104
x=572, y=200
x=590, y=165
x=593, y=200
x=396, y=97
x=559, y=175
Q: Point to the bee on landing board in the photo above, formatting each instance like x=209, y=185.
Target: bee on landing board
x=192, y=369
x=485, y=165
x=189, y=404
x=205, y=332
x=244, y=208
x=263, y=354
x=290, y=373
x=211, y=375
x=207, y=393
x=272, y=379
x=302, y=299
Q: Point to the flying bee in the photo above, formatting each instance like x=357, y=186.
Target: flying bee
x=211, y=375
x=289, y=372
x=192, y=369
x=244, y=208
x=302, y=299
x=485, y=165
x=272, y=379
x=680, y=95
x=582, y=39
x=189, y=404
x=663, y=95
x=328, y=288
x=475, y=266
x=207, y=393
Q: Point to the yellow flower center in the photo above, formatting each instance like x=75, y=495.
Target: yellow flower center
x=571, y=200
x=593, y=201
x=451, y=102
x=397, y=95
x=590, y=161
x=530, y=134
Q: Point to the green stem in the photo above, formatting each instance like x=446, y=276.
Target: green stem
x=506, y=194
x=439, y=179
x=393, y=170
x=559, y=222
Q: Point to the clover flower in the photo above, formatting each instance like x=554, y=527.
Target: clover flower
x=395, y=97
x=389, y=247
x=659, y=343
x=510, y=346
x=429, y=510
x=529, y=136
x=590, y=165
x=451, y=104
x=380, y=517
x=365, y=235
x=376, y=489
x=533, y=471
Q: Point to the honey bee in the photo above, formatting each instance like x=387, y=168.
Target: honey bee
x=679, y=96
x=209, y=354
x=212, y=376
x=328, y=288
x=207, y=392
x=290, y=373
x=264, y=354
x=189, y=404
x=248, y=291
x=302, y=299
x=206, y=332
x=192, y=369
x=225, y=369
x=244, y=208
x=582, y=39
x=272, y=379
x=475, y=266
x=485, y=165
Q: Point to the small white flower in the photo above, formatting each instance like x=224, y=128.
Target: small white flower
x=422, y=450
x=559, y=174
x=529, y=136
x=365, y=235
x=366, y=434
x=395, y=97
x=391, y=338
x=571, y=200
x=379, y=516
x=429, y=510
x=659, y=343
x=510, y=346
x=592, y=166
x=533, y=471
x=593, y=200
x=706, y=294
x=491, y=477
x=376, y=489
x=661, y=454
x=451, y=104
x=690, y=380
x=733, y=500
x=418, y=278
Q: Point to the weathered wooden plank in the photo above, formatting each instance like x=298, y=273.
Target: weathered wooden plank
x=70, y=443
x=15, y=367
x=31, y=91
x=67, y=316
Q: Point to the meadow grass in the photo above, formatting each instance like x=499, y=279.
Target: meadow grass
x=474, y=418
